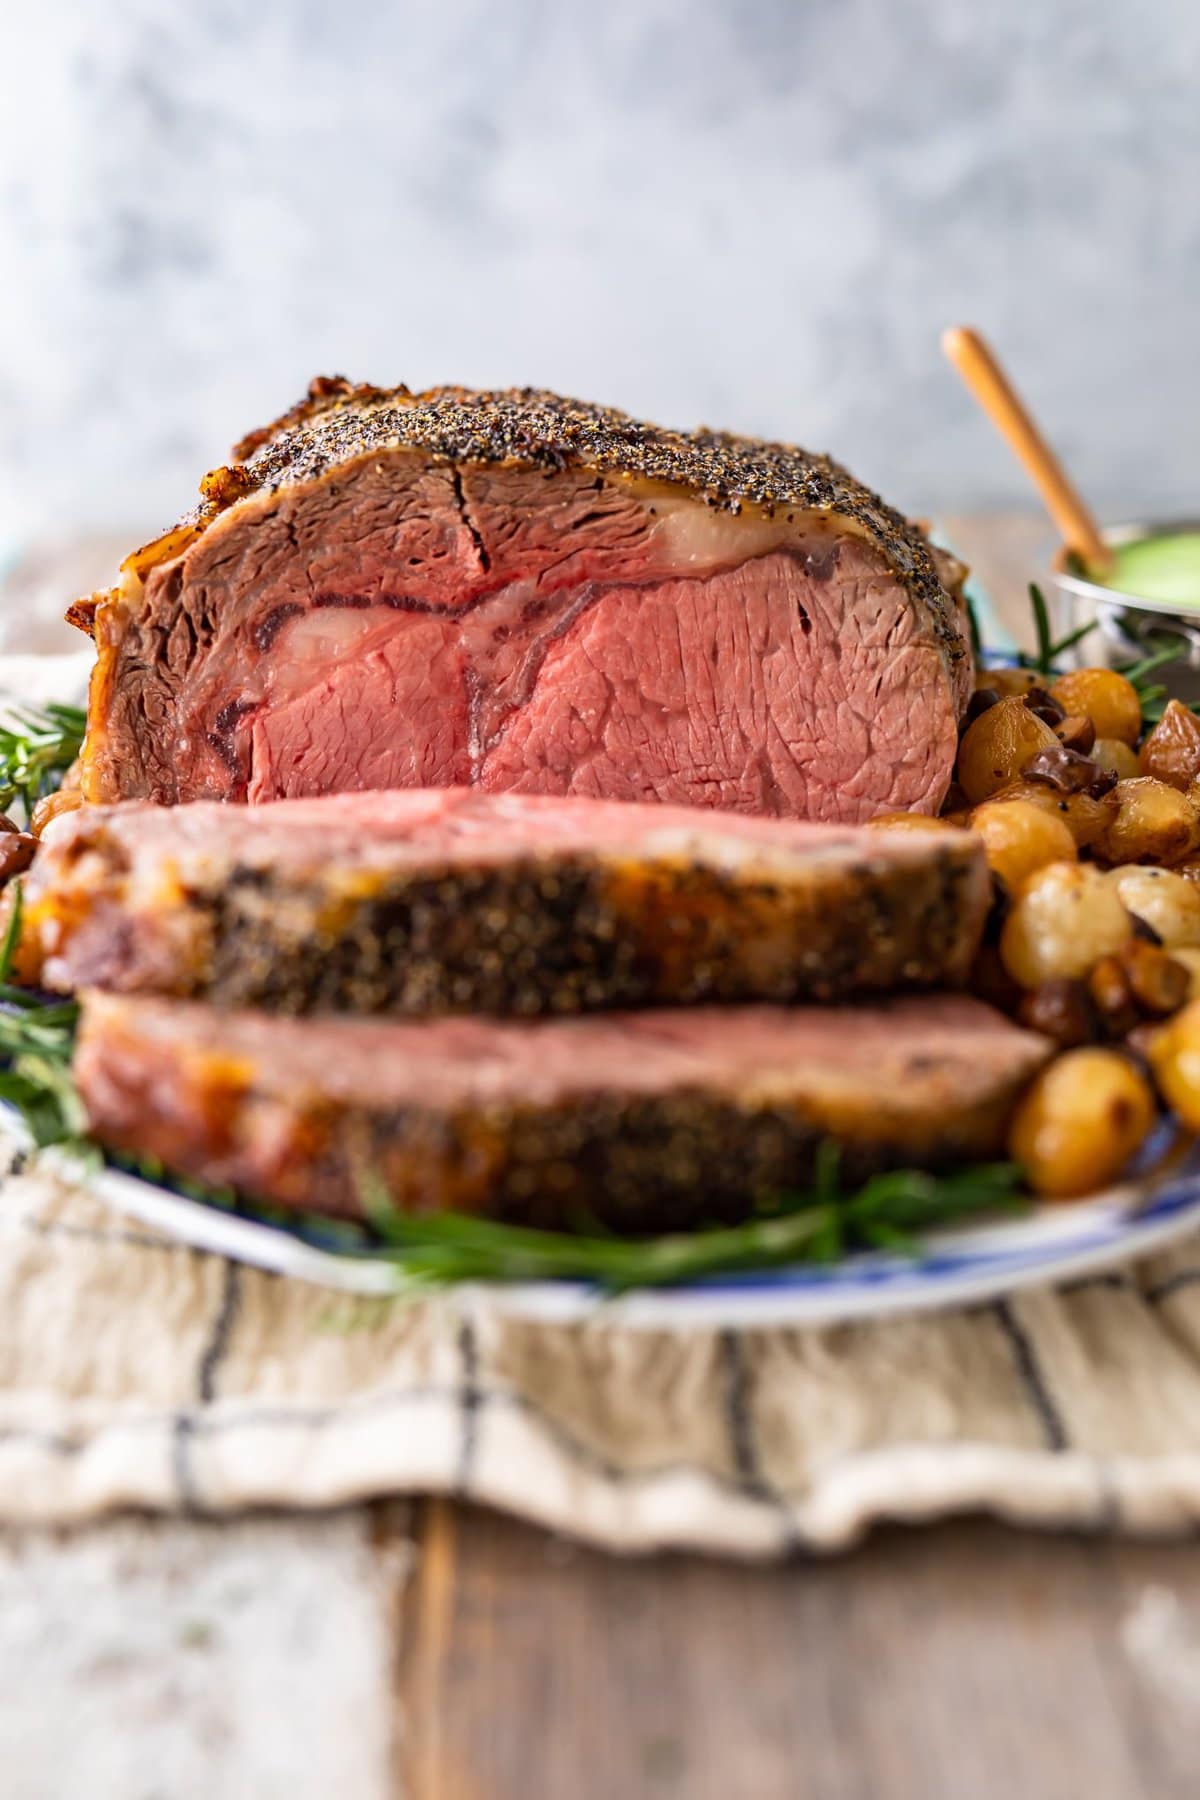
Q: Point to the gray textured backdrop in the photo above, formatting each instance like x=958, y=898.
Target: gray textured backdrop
x=756, y=215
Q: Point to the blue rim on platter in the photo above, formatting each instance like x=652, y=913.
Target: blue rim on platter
x=964, y=1266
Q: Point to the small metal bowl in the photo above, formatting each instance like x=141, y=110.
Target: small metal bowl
x=1127, y=628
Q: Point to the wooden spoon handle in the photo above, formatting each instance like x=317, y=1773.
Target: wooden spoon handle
x=991, y=387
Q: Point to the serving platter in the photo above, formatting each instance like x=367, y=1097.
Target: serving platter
x=968, y=1265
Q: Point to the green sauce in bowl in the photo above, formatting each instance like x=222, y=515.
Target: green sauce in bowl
x=1165, y=569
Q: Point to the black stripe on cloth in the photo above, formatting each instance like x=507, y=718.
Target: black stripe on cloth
x=199, y=1424
x=1172, y=1284
x=739, y=1416
x=184, y=1424
x=96, y=1234
x=745, y=1453
x=1033, y=1379
x=1111, y=1278
x=470, y=1401
x=56, y=1442
x=222, y=1331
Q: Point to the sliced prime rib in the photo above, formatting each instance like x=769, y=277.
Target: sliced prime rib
x=527, y=593
x=451, y=900
x=639, y=1120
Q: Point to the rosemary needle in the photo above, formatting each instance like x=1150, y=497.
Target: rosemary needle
x=37, y=747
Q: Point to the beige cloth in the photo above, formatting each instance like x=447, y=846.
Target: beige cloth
x=137, y=1373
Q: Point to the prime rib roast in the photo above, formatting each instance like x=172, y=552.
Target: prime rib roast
x=525, y=593
x=641, y=1121
x=449, y=900
x=444, y=633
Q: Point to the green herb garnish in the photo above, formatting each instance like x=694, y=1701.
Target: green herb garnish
x=37, y=747
x=36, y=1040
x=887, y=1213
x=1049, y=648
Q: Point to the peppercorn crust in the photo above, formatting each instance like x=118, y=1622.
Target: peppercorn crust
x=119, y=903
x=339, y=422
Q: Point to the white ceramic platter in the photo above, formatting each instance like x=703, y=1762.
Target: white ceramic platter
x=1047, y=1245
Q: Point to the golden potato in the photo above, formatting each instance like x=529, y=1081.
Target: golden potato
x=1174, y=1053
x=1189, y=956
x=997, y=746
x=1171, y=752
x=1065, y=918
x=1085, y=817
x=1020, y=837
x=1109, y=700
x=1111, y=994
x=1080, y=1123
x=1153, y=823
x=1158, y=983
x=1142, y=981
x=1169, y=904
x=1111, y=753
x=1007, y=682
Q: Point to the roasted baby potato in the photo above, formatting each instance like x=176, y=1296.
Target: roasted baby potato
x=1008, y=682
x=1189, y=957
x=1065, y=918
x=1021, y=838
x=1085, y=817
x=1169, y=904
x=1080, y=1122
x=1171, y=752
x=1153, y=823
x=1174, y=1053
x=1112, y=754
x=995, y=749
x=1108, y=699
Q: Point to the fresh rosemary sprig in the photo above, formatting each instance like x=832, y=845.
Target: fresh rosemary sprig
x=37, y=747
x=1050, y=651
x=36, y=1039
x=887, y=1213
x=1049, y=648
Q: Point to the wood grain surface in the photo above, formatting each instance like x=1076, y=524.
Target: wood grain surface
x=941, y=1664
x=439, y=1652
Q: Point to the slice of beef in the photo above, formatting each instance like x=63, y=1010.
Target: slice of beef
x=448, y=899
x=638, y=1120
x=526, y=593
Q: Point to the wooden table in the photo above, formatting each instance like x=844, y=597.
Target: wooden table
x=433, y=1650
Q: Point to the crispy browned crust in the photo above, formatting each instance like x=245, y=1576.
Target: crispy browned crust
x=676, y=1159
x=324, y=393
x=557, y=934
x=338, y=422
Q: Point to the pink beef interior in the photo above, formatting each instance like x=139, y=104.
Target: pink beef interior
x=400, y=624
x=869, y=1058
x=428, y=826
